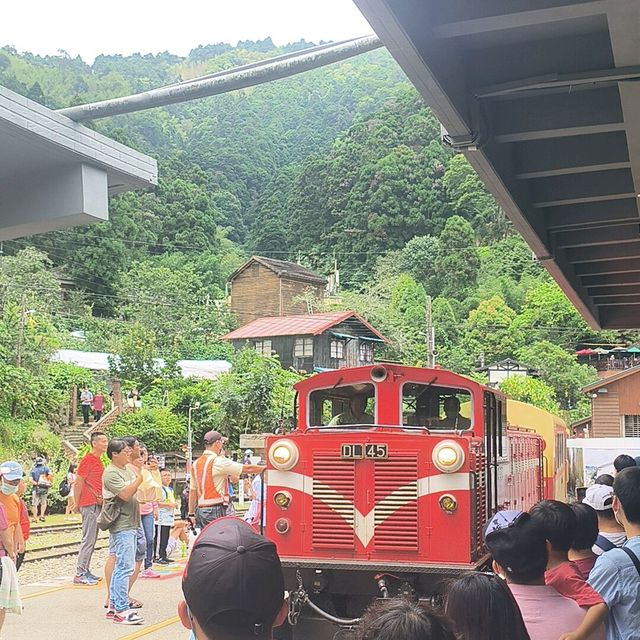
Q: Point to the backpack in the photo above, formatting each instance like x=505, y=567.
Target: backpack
x=65, y=488
x=604, y=543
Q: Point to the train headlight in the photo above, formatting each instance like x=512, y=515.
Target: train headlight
x=282, y=525
x=448, y=503
x=448, y=456
x=282, y=499
x=283, y=455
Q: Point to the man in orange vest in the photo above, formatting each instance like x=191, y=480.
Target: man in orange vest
x=209, y=484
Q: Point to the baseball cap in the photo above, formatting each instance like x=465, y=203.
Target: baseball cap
x=11, y=470
x=233, y=581
x=599, y=497
x=213, y=436
x=248, y=451
x=39, y=460
x=501, y=520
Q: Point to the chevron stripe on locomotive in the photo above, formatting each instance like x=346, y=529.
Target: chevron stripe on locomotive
x=386, y=482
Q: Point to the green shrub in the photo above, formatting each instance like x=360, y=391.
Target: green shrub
x=157, y=427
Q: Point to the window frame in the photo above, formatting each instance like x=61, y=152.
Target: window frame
x=336, y=342
x=260, y=346
x=330, y=388
x=365, y=346
x=438, y=386
x=307, y=342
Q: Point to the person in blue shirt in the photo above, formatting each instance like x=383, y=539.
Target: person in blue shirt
x=616, y=573
x=41, y=480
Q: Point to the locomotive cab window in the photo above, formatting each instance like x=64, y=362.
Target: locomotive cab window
x=436, y=407
x=342, y=405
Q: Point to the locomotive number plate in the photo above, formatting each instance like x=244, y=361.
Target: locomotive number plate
x=359, y=451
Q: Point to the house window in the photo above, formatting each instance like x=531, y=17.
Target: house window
x=337, y=349
x=632, y=426
x=366, y=352
x=263, y=347
x=303, y=348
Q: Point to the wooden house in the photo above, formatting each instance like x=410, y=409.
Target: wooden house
x=615, y=405
x=264, y=287
x=312, y=342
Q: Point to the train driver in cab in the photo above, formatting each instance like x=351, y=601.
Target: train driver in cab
x=452, y=418
x=355, y=414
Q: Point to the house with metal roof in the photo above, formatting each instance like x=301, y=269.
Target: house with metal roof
x=312, y=342
x=615, y=409
x=264, y=287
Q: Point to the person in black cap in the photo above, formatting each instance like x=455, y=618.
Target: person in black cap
x=233, y=584
x=209, y=484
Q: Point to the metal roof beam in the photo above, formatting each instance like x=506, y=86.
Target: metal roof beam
x=557, y=115
x=629, y=273
x=592, y=214
x=592, y=237
x=617, y=300
x=557, y=80
x=577, y=154
x=587, y=187
x=631, y=290
x=519, y=19
x=620, y=317
x=604, y=252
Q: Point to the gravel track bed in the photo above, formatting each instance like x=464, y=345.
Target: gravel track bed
x=41, y=570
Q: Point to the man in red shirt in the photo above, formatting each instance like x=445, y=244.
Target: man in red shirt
x=87, y=493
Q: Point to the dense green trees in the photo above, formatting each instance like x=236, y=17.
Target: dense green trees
x=343, y=164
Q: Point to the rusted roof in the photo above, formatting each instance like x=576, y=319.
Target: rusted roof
x=311, y=324
x=282, y=269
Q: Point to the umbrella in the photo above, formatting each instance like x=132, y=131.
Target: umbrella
x=619, y=350
x=601, y=351
x=633, y=350
x=587, y=352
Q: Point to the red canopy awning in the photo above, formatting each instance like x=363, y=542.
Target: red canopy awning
x=586, y=352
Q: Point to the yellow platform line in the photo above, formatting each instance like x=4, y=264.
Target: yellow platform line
x=41, y=593
x=145, y=631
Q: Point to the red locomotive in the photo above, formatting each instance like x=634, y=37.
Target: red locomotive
x=387, y=481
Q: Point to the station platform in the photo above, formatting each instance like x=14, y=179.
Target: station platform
x=58, y=610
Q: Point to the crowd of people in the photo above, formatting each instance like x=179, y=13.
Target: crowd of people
x=558, y=572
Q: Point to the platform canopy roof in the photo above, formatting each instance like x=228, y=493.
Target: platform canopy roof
x=55, y=173
x=543, y=97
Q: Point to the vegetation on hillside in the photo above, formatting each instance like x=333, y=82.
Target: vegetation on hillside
x=343, y=165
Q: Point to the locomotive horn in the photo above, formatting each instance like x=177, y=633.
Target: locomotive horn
x=378, y=374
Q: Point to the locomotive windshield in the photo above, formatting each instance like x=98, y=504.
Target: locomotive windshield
x=341, y=405
x=436, y=407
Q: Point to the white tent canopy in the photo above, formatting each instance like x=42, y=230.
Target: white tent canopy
x=99, y=361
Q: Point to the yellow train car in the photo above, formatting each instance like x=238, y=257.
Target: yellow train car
x=554, y=431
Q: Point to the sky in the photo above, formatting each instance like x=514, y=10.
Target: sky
x=129, y=26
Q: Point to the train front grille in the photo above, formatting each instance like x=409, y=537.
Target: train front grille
x=396, y=496
x=334, y=484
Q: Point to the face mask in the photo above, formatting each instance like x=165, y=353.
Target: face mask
x=8, y=489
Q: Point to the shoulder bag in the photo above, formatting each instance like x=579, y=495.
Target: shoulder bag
x=111, y=508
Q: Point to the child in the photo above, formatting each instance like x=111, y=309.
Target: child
x=178, y=535
x=558, y=523
x=581, y=553
x=166, y=515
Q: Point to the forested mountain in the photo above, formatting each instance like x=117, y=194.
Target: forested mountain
x=343, y=164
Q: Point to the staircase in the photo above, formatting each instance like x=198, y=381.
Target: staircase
x=76, y=436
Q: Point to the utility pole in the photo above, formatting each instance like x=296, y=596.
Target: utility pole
x=431, y=336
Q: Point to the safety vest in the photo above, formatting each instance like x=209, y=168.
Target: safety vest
x=208, y=494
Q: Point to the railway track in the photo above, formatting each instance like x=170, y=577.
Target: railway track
x=60, y=550
x=56, y=528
